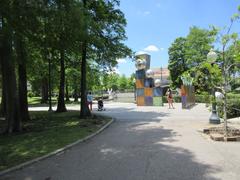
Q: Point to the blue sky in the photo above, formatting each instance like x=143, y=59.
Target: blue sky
x=152, y=25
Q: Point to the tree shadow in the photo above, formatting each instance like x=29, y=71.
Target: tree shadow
x=132, y=148
x=134, y=114
x=149, y=153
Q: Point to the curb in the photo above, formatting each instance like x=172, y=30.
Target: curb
x=20, y=166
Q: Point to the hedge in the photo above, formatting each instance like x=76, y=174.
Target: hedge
x=232, y=105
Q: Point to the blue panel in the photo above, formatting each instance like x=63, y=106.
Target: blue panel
x=157, y=91
x=140, y=74
x=148, y=82
x=140, y=92
x=148, y=101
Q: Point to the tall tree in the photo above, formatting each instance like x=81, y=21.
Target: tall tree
x=104, y=31
x=177, y=61
x=9, y=76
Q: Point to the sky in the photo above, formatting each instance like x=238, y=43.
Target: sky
x=153, y=25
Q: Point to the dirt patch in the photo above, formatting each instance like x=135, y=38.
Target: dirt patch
x=218, y=133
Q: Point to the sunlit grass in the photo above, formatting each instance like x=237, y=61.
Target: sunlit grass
x=45, y=133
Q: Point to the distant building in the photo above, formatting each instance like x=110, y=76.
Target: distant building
x=162, y=74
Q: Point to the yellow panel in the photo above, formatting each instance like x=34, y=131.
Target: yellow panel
x=148, y=91
x=139, y=83
x=140, y=101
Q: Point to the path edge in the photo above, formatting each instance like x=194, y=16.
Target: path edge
x=58, y=151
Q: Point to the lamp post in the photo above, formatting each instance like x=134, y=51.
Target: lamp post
x=214, y=119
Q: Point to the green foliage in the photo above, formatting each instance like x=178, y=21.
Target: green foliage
x=233, y=109
x=177, y=62
x=203, y=98
x=207, y=76
x=45, y=133
x=187, y=54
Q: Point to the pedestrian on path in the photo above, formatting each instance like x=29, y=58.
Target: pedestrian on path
x=89, y=100
x=170, y=98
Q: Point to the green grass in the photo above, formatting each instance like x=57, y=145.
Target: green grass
x=45, y=133
x=36, y=101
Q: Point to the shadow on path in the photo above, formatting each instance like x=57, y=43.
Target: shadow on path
x=135, y=147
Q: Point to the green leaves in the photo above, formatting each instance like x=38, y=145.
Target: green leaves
x=187, y=53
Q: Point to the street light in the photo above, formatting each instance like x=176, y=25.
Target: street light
x=214, y=119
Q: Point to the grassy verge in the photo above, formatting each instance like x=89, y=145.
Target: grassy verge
x=45, y=133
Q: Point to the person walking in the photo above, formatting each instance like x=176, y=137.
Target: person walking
x=170, y=98
x=89, y=100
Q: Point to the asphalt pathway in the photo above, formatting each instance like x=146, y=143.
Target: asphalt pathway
x=144, y=143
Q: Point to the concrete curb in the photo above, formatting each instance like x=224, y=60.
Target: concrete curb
x=58, y=151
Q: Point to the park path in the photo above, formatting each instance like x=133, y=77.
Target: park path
x=144, y=143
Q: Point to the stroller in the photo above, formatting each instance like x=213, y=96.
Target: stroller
x=100, y=105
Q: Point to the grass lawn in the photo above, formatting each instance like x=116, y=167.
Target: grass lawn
x=44, y=133
x=36, y=101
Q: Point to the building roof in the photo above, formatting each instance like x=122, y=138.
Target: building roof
x=161, y=72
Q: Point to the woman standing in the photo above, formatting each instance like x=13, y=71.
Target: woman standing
x=170, y=98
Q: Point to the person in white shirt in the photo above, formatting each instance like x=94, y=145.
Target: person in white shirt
x=89, y=100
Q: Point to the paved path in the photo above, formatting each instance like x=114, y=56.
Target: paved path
x=145, y=143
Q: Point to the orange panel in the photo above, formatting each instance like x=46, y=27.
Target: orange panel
x=139, y=83
x=148, y=92
x=140, y=101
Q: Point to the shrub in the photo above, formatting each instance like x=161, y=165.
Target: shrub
x=202, y=98
x=30, y=94
x=232, y=105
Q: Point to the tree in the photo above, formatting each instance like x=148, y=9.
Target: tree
x=104, y=31
x=177, y=61
x=123, y=82
x=198, y=44
x=9, y=76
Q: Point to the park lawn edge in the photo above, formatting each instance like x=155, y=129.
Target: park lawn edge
x=59, y=150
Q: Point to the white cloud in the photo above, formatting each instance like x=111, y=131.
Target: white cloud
x=162, y=49
x=151, y=48
x=121, y=61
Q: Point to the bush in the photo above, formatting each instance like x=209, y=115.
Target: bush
x=202, y=98
x=231, y=105
x=233, y=96
x=30, y=94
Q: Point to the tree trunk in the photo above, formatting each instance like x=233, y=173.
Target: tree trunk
x=85, y=112
x=12, y=101
x=44, y=99
x=3, y=100
x=61, y=103
x=22, y=78
x=67, y=93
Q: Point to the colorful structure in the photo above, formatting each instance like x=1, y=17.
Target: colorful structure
x=148, y=89
x=187, y=92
